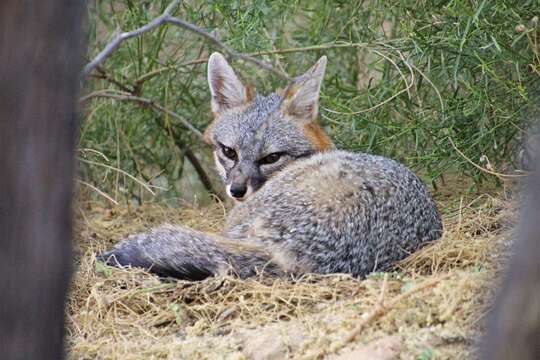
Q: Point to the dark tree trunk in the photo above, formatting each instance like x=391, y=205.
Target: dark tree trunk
x=39, y=64
x=514, y=327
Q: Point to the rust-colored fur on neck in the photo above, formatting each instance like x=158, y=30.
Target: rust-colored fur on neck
x=317, y=136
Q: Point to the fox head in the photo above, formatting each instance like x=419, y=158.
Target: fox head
x=254, y=136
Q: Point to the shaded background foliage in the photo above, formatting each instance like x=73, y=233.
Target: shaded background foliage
x=413, y=80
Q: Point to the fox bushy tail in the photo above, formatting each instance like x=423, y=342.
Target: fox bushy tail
x=173, y=251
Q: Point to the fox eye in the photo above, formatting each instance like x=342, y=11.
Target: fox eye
x=271, y=158
x=228, y=152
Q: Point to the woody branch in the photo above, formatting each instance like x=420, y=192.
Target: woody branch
x=167, y=18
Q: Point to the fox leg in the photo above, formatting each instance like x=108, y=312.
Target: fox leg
x=182, y=253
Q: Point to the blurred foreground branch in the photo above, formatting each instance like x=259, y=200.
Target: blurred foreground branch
x=41, y=46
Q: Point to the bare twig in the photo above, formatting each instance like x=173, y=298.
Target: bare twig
x=230, y=52
x=384, y=308
x=379, y=311
x=487, y=171
x=167, y=18
x=142, y=183
x=102, y=155
x=145, y=102
x=105, y=76
x=100, y=192
x=203, y=176
x=119, y=38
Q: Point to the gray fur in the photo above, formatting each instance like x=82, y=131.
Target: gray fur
x=322, y=212
x=255, y=132
x=340, y=212
x=266, y=125
x=174, y=251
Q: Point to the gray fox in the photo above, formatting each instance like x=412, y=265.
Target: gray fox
x=301, y=205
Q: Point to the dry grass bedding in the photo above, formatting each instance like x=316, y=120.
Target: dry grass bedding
x=430, y=307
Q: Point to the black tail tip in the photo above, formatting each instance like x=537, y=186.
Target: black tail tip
x=129, y=257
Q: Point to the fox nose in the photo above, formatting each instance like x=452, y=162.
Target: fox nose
x=238, y=191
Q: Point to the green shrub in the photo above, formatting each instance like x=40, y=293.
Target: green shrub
x=413, y=80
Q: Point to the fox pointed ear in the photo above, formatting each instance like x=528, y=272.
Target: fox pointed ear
x=226, y=89
x=301, y=100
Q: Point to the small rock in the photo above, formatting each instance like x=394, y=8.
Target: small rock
x=386, y=348
x=272, y=343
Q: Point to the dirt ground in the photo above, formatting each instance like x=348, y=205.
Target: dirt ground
x=430, y=307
